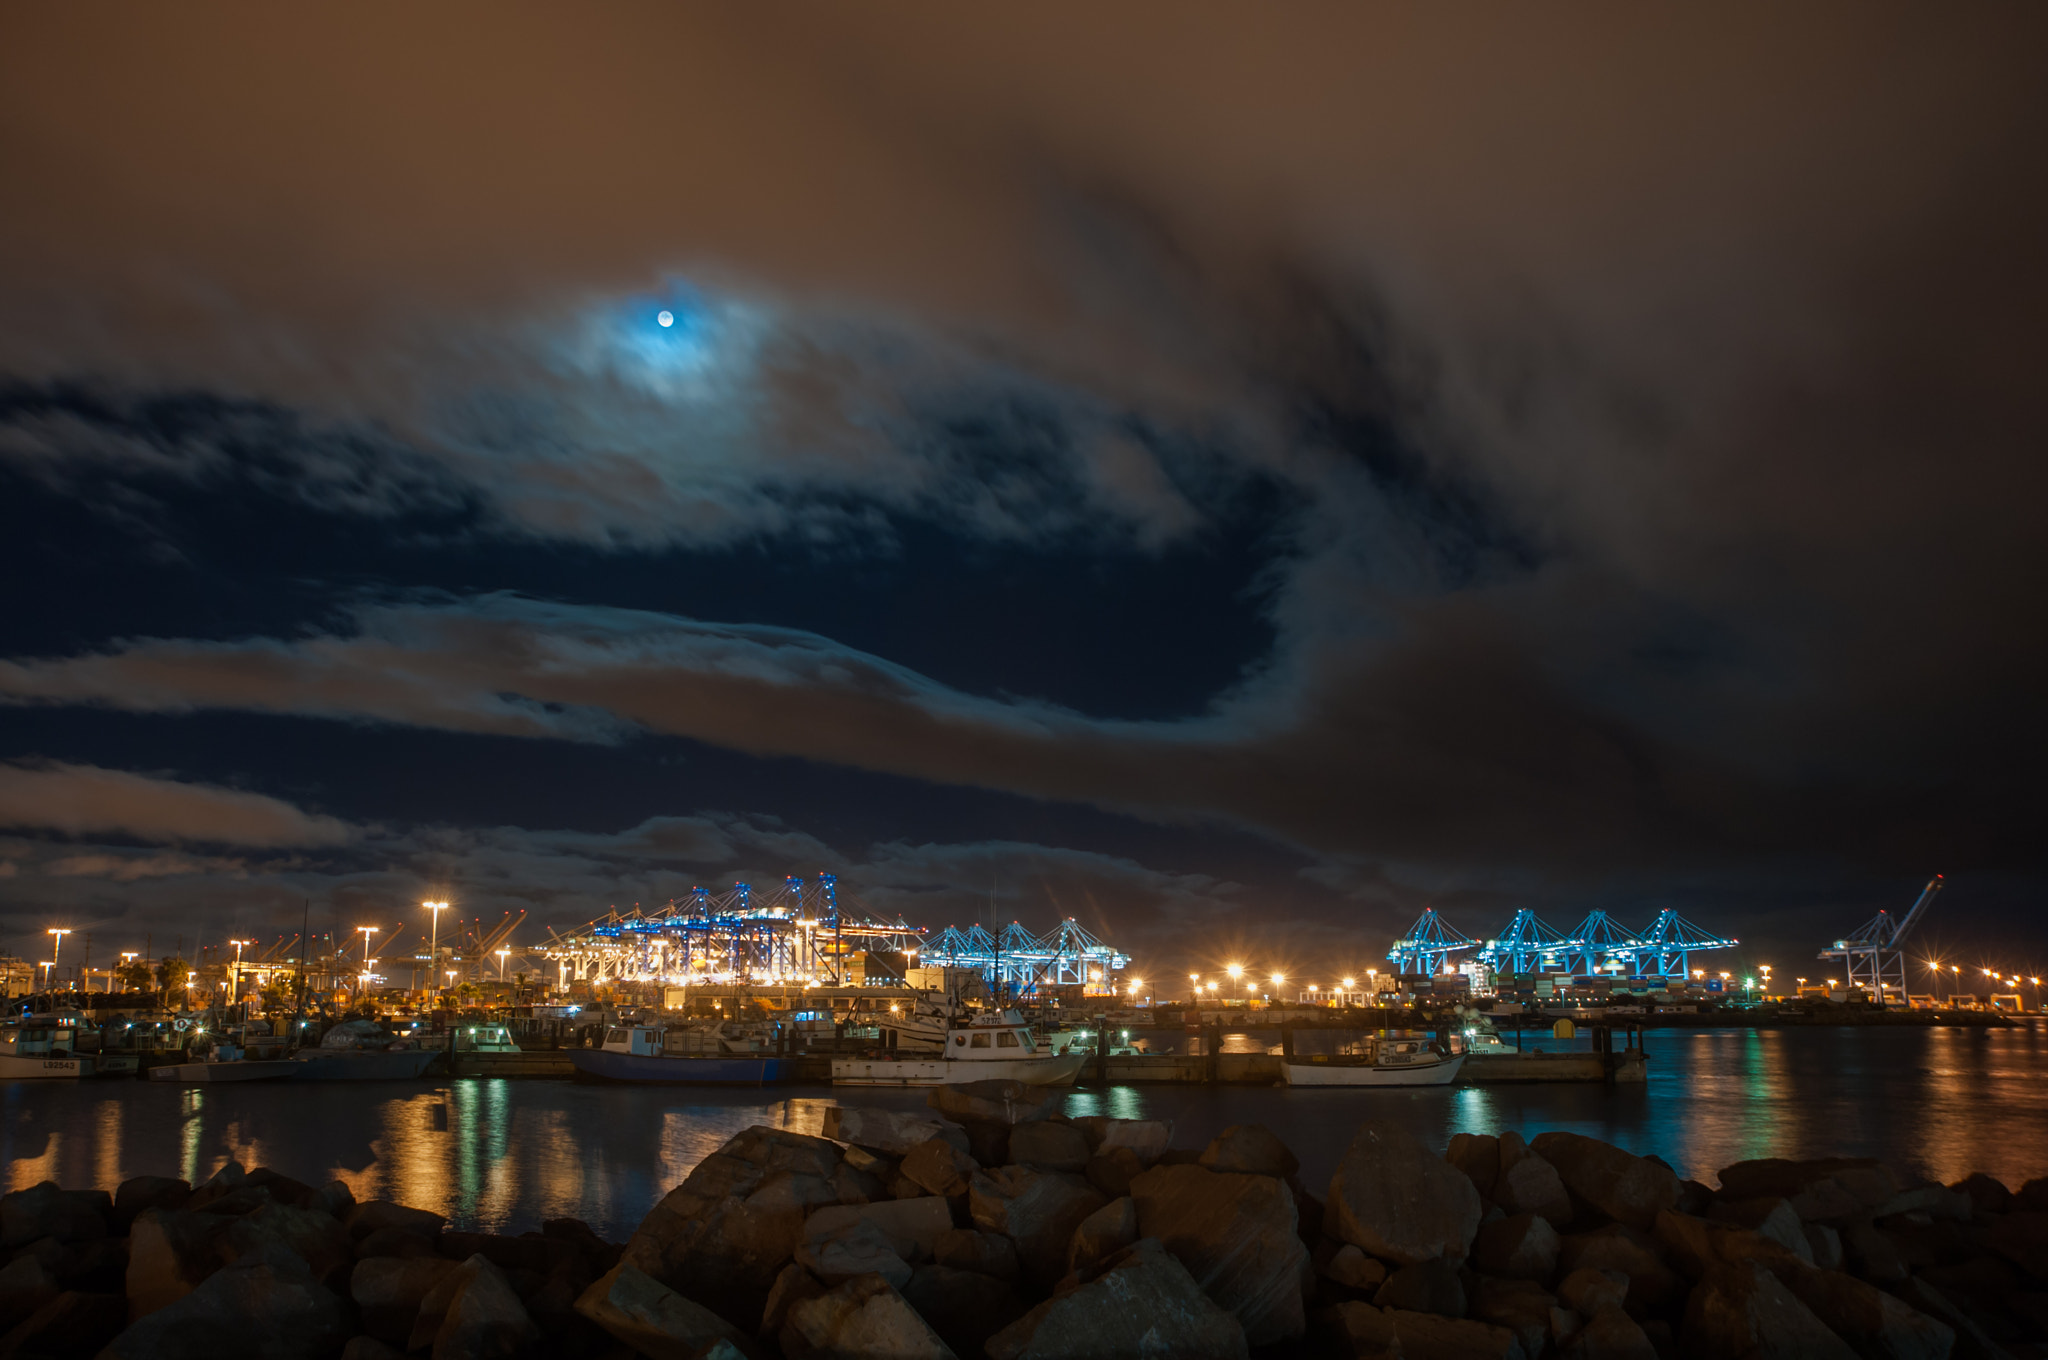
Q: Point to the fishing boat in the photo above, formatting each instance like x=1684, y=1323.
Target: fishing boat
x=224, y=1061
x=976, y=1046
x=38, y=1050
x=1377, y=1060
x=362, y=1050
x=720, y=1053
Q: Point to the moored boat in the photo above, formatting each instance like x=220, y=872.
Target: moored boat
x=362, y=1050
x=983, y=1046
x=224, y=1062
x=715, y=1054
x=1396, y=1060
x=39, y=1052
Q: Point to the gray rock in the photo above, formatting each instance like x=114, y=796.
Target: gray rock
x=1873, y=1254
x=1987, y=1194
x=1139, y=1302
x=388, y=1291
x=1252, y=1149
x=26, y=1285
x=1112, y=1171
x=895, y=1132
x=395, y=1242
x=1825, y=1244
x=964, y=1307
x=1353, y=1269
x=314, y=1237
x=1237, y=1236
x=1046, y=1143
x=1742, y=1310
x=1617, y=1184
x=863, y=1319
x=474, y=1314
x=44, y=1210
x=1590, y=1290
x=1520, y=1306
x=1653, y=1286
x=1395, y=1199
x=372, y=1214
x=983, y=1253
x=796, y=1191
x=1612, y=1335
x=640, y=1311
x=334, y=1198
x=913, y=1227
x=1426, y=1287
x=1478, y=1156
x=852, y=1249
x=1770, y=1217
x=1523, y=1247
x=792, y=1286
x=1145, y=1139
x=1972, y=1342
x=370, y=1348
x=1103, y=1233
x=1877, y=1325
x=994, y=1102
x=1531, y=1185
x=939, y=1167
x=725, y=1257
x=1037, y=1210
x=148, y=1192
x=170, y=1251
x=74, y=1323
x=1934, y=1200
x=858, y=1187
x=266, y=1306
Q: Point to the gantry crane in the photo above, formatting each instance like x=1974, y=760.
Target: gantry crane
x=1874, y=952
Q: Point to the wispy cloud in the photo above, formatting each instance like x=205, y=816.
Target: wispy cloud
x=81, y=800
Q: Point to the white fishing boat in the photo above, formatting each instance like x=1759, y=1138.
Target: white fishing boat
x=973, y=1046
x=1397, y=1060
x=38, y=1050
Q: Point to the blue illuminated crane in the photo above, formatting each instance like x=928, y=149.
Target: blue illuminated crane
x=1528, y=945
x=1597, y=942
x=1873, y=952
x=1428, y=945
x=1662, y=950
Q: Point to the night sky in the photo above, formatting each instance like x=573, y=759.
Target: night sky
x=1236, y=478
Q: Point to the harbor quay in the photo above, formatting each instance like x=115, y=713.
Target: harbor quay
x=988, y=1223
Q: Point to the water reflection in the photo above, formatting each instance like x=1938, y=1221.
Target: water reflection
x=503, y=1155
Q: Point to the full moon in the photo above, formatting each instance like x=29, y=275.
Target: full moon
x=666, y=318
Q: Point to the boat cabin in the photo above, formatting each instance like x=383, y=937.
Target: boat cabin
x=34, y=1040
x=484, y=1038
x=992, y=1038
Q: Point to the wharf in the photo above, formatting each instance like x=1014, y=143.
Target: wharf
x=539, y=1062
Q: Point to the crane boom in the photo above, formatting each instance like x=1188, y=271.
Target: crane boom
x=1919, y=909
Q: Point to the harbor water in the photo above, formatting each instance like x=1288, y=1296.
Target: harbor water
x=501, y=1155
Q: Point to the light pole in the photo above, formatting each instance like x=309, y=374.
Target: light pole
x=503, y=954
x=434, y=936
x=57, y=949
x=235, y=987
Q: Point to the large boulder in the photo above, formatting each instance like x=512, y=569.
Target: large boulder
x=265, y=1306
x=1521, y=1306
x=1426, y=1287
x=1828, y=1190
x=863, y=1319
x=1478, y=1156
x=170, y=1251
x=983, y=1253
x=1046, y=1143
x=474, y=1313
x=1526, y=1183
x=1395, y=1199
x=1612, y=1335
x=388, y=1291
x=793, y=1190
x=1103, y=1233
x=1236, y=1234
x=1615, y=1184
x=1139, y=1302
x=1742, y=1310
x=1396, y=1332
x=375, y=1214
x=1590, y=1291
x=912, y=1227
x=313, y=1237
x=74, y=1323
x=895, y=1132
x=939, y=1167
x=1653, y=1286
x=1351, y=1268
x=1876, y=1324
x=640, y=1311
x=147, y=1192
x=965, y=1308
x=1252, y=1149
x=27, y=1283
x=1768, y=1217
x=1038, y=1210
x=1146, y=1139
x=844, y=1251
x=1523, y=1247
x=1112, y=1171
x=43, y=1210
x=994, y=1102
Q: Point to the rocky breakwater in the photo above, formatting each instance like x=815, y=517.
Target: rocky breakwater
x=990, y=1225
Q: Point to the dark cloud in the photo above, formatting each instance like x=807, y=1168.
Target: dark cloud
x=77, y=800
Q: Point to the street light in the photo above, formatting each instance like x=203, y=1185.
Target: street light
x=366, y=932
x=503, y=954
x=434, y=933
x=57, y=949
x=1236, y=971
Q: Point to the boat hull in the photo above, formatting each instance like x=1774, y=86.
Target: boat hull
x=39, y=1068
x=406, y=1064
x=1052, y=1071
x=595, y=1064
x=261, y=1069
x=1363, y=1074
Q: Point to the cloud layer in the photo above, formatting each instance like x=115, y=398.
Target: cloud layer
x=81, y=801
